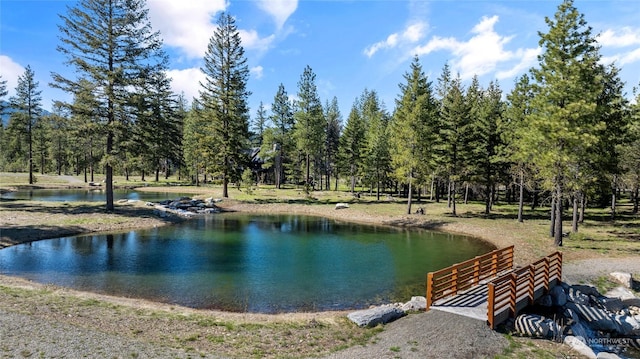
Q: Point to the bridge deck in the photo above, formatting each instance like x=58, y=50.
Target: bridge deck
x=471, y=303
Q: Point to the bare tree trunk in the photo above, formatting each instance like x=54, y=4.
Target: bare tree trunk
x=613, y=197
x=409, y=195
x=453, y=199
x=636, y=192
x=558, y=226
x=574, y=219
x=433, y=182
x=521, y=199
x=552, y=228
x=449, y=195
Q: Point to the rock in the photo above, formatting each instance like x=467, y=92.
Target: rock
x=577, y=297
x=342, y=205
x=578, y=344
x=586, y=289
x=415, y=304
x=595, y=318
x=620, y=292
x=536, y=326
x=150, y=204
x=558, y=296
x=376, y=315
x=611, y=304
x=571, y=315
x=623, y=278
x=627, y=325
x=634, y=310
x=545, y=300
x=578, y=330
x=132, y=201
x=605, y=355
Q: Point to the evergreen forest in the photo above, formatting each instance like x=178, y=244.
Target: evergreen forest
x=566, y=136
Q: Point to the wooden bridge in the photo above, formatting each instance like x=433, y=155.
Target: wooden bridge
x=489, y=287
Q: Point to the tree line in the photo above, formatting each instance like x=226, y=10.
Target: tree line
x=565, y=134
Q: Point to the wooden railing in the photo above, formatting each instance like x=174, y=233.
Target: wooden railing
x=458, y=277
x=510, y=293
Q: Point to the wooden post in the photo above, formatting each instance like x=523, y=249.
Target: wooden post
x=491, y=291
x=512, y=294
x=494, y=263
x=454, y=280
x=532, y=283
x=476, y=271
x=546, y=273
x=429, y=291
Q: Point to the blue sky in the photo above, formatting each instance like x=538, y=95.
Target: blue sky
x=350, y=45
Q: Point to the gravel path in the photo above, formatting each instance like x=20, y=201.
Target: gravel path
x=23, y=336
x=583, y=271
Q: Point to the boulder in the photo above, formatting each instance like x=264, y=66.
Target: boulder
x=623, y=278
x=558, y=296
x=576, y=296
x=579, y=345
x=627, y=325
x=605, y=355
x=620, y=292
x=536, y=326
x=612, y=304
x=595, y=318
x=376, y=315
x=586, y=289
x=415, y=304
x=545, y=300
x=578, y=330
x=342, y=205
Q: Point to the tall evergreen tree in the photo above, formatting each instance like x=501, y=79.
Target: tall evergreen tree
x=332, y=139
x=630, y=154
x=351, y=150
x=514, y=125
x=377, y=159
x=487, y=141
x=562, y=123
x=27, y=111
x=260, y=124
x=413, y=132
x=309, y=123
x=455, y=136
x=224, y=97
x=283, y=122
x=112, y=45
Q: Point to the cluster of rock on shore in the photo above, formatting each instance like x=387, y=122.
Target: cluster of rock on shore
x=186, y=207
x=595, y=325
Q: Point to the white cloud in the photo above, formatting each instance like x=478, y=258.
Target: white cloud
x=257, y=72
x=252, y=40
x=624, y=37
x=528, y=59
x=280, y=10
x=411, y=34
x=186, y=81
x=10, y=71
x=622, y=59
x=480, y=54
x=186, y=25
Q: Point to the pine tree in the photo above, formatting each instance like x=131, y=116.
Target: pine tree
x=27, y=111
x=630, y=154
x=110, y=44
x=377, y=159
x=283, y=122
x=309, y=123
x=562, y=123
x=224, y=100
x=260, y=124
x=454, y=136
x=413, y=132
x=332, y=139
x=351, y=149
x=513, y=126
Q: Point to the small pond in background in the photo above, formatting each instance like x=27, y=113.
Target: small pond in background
x=88, y=195
x=252, y=263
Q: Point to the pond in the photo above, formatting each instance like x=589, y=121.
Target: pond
x=249, y=263
x=88, y=195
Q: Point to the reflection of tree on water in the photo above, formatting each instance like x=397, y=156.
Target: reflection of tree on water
x=244, y=262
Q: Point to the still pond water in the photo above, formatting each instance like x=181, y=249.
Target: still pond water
x=252, y=263
x=88, y=195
